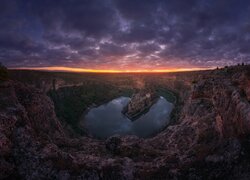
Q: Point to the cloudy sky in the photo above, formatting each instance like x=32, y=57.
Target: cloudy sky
x=124, y=34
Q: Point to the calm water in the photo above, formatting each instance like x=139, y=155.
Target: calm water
x=107, y=120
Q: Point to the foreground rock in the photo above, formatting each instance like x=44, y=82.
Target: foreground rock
x=210, y=141
x=140, y=103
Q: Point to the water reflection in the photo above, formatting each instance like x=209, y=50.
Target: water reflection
x=107, y=120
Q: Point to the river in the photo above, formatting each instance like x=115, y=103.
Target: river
x=107, y=120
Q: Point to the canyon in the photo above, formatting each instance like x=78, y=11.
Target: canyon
x=208, y=137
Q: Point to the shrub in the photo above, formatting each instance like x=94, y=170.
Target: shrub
x=194, y=82
x=3, y=73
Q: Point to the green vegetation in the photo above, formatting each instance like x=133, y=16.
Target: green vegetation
x=3, y=73
x=71, y=102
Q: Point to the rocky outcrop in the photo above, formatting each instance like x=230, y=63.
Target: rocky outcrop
x=140, y=103
x=210, y=140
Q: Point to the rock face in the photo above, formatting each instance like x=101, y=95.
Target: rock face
x=139, y=104
x=210, y=141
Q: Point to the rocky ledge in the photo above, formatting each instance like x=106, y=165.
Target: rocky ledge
x=139, y=104
x=209, y=141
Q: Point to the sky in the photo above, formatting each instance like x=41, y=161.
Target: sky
x=124, y=34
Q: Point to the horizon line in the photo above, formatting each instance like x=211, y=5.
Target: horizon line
x=82, y=70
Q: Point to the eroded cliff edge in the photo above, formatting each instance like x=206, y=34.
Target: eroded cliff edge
x=209, y=141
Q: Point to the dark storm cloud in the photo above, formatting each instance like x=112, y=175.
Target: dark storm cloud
x=122, y=32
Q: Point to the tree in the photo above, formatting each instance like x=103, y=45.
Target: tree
x=3, y=73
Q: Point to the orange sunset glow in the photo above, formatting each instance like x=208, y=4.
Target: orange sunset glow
x=69, y=69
